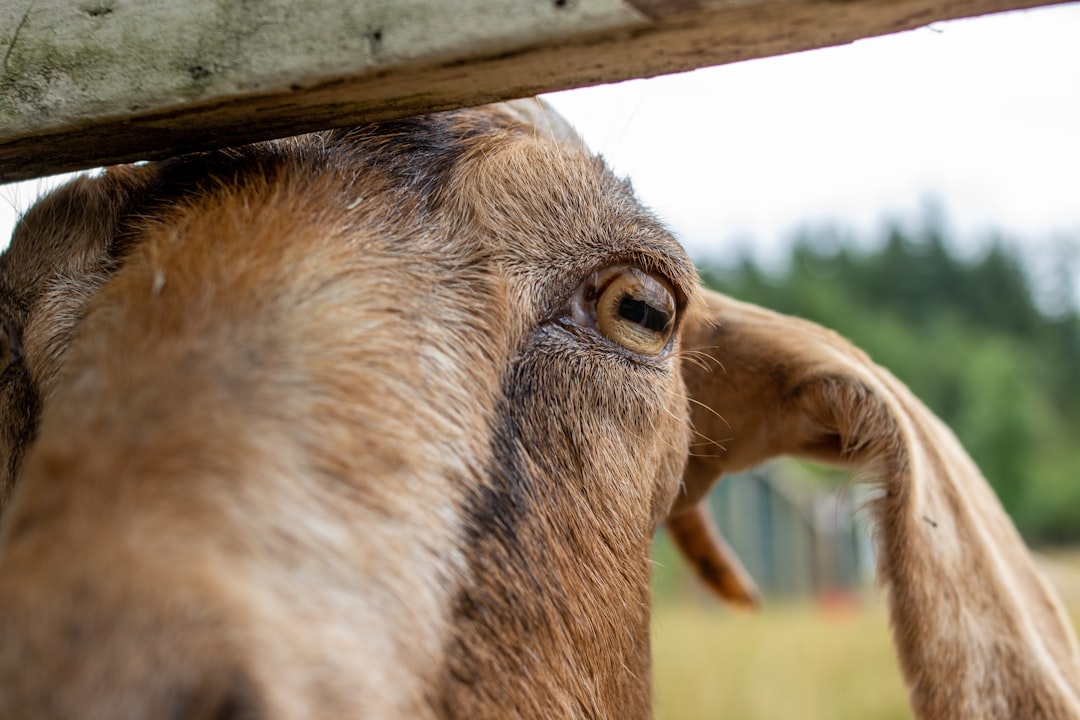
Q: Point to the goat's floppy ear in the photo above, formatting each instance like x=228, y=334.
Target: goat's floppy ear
x=696, y=536
x=978, y=631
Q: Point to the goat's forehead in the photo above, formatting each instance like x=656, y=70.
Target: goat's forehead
x=556, y=211
x=518, y=179
x=552, y=213
x=500, y=182
x=476, y=185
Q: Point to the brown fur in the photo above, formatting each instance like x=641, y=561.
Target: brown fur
x=978, y=631
x=700, y=542
x=308, y=430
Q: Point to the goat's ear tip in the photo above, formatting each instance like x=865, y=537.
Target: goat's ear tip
x=128, y=175
x=545, y=120
x=712, y=559
x=749, y=601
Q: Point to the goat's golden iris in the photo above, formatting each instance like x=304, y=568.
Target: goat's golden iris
x=636, y=310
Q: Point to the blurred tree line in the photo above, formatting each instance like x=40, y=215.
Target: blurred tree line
x=967, y=335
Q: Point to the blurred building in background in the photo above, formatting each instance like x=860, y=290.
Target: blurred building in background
x=797, y=537
x=800, y=537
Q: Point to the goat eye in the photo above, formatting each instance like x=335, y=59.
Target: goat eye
x=631, y=307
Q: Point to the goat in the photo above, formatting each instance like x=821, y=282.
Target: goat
x=380, y=422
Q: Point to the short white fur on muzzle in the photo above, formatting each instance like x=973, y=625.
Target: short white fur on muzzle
x=381, y=422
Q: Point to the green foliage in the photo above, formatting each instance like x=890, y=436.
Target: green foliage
x=967, y=336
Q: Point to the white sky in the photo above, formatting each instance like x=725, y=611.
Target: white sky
x=982, y=114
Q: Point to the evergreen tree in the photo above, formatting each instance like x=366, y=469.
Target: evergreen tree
x=967, y=336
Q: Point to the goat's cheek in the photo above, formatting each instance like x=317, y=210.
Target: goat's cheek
x=623, y=424
x=671, y=438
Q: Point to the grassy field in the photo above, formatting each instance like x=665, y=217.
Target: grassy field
x=794, y=661
x=806, y=661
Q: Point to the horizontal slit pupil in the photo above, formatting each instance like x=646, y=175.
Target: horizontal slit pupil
x=642, y=313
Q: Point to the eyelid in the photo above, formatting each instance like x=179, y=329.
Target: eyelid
x=614, y=318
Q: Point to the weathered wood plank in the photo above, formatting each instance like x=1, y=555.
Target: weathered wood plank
x=90, y=82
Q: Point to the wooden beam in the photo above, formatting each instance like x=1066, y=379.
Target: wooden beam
x=92, y=82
